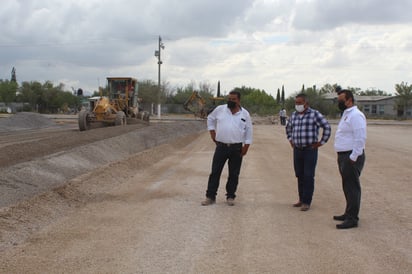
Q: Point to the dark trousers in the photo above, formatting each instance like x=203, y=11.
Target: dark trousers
x=224, y=153
x=350, y=173
x=304, y=162
x=283, y=120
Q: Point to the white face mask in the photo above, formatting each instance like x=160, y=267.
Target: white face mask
x=300, y=108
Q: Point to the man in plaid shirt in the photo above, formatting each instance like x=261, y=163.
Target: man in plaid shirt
x=302, y=130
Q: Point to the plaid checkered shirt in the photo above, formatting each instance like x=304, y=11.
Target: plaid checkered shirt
x=303, y=129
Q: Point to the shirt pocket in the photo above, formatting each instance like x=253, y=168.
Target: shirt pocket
x=242, y=124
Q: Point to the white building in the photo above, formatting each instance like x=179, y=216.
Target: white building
x=378, y=106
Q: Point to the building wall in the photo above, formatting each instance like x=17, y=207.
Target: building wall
x=383, y=108
x=376, y=106
x=380, y=108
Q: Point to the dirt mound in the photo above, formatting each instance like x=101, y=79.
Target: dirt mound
x=25, y=120
x=38, y=165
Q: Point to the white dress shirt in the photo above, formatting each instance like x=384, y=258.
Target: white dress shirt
x=351, y=132
x=230, y=128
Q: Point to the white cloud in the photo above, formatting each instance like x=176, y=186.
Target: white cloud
x=261, y=44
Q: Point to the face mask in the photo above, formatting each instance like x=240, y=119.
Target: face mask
x=231, y=104
x=341, y=105
x=300, y=108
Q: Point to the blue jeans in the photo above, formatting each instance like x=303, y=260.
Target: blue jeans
x=304, y=162
x=224, y=153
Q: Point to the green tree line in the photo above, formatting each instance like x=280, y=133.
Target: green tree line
x=48, y=98
x=35, y=96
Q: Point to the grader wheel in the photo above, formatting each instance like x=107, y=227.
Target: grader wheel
x=144, y=116
x=84, y=122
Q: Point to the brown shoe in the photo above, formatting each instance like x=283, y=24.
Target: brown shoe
x=298, y=204
x=230, y=201
x=208, y=201
x=305, y=207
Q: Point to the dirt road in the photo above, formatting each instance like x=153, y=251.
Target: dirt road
x=143, y=214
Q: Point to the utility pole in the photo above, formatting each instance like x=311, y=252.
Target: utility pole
x=159, y=62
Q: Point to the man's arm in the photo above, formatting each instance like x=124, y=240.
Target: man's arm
x=245, y=148
x=248, y=135
x=213, y=135
x=211, y=124
x=327, y=130
x=288, y=129
x=359, y=138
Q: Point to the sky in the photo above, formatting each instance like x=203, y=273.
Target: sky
x=262, y=44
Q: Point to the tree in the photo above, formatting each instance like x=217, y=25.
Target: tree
x=316, y=101
x=328, y=88
x=183, y=93
x=148, y=91
x=404, y=100
x=7, y=91
x=373, y=92
x=244, y=91
x=283, y=97
x=257, y=101
x=354, y=90
x=278, y=97
x=47, y=98
x=13, y=75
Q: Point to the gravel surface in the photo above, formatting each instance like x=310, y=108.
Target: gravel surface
x=140, y=212
x=25, y=120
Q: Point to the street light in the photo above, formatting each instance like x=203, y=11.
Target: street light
x=159, y=62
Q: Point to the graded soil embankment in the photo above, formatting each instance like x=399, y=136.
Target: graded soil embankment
x=38, y=155
x=142, y=214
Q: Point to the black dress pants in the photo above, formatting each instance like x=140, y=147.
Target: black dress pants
x=223, y=153
x=350, y=173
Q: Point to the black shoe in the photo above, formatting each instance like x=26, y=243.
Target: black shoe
x=347, y=224
x=339, y=217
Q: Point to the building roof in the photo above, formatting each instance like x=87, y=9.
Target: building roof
x=331, y=96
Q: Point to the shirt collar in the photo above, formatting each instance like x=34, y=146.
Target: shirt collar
x=350, y=109
x=228, y=109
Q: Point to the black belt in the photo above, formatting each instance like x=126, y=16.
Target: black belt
x=229, y=145
x=344, y=152
x=303, y=148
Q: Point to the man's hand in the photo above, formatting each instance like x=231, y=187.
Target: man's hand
x=316, y=145
x=213, y=135
x=244, y=150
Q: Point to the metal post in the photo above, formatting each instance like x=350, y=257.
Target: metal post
x=159, y=62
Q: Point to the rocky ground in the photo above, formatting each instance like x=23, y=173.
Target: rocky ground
x=127, y=200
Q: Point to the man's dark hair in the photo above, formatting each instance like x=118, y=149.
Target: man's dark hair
x=237, y=93
x=338, y=89
x=348, y=94
x=303, y=96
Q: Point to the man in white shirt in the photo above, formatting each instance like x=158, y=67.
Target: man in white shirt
x=349, y=144
x=230, y=127
x=282, y=115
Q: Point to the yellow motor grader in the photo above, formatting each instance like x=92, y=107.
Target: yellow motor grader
x=198, y=105
x=118, y=108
